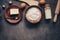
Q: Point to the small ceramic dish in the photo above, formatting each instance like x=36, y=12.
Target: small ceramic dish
x=13, y=18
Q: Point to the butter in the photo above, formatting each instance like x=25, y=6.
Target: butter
x=14, y=11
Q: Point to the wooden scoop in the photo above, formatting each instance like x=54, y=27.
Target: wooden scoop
x=56, y=12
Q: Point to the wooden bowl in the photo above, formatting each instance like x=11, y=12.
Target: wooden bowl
x=7, y=15
x=33, y=21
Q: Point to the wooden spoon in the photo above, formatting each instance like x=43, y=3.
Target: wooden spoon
x=56, y=12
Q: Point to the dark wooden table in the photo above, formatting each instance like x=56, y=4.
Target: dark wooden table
x=44, y=30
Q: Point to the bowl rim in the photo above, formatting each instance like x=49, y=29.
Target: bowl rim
x=33, y=7
x=20, y=14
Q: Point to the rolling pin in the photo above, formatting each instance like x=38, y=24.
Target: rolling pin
x=56, y=12
x=59, y=5
x=31, y=2
x=42, y=1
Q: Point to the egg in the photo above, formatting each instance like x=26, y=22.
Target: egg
x=22, y=5
x=42, y=1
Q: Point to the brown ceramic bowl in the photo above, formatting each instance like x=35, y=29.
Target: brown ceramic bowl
x=7, y=15
x=33, y=21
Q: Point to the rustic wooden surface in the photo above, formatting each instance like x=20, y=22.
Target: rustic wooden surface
x=44, y=30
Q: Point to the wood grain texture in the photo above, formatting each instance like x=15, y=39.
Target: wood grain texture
x=44, y=30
